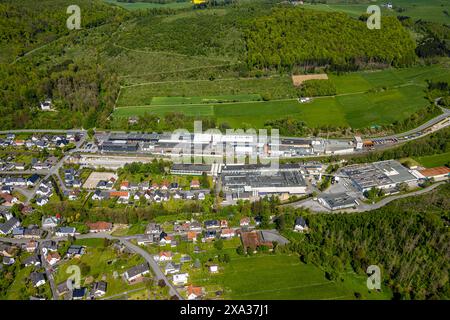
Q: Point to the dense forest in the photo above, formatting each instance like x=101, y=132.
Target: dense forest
x=290, y=37
x=83, y=94
x=408, y=239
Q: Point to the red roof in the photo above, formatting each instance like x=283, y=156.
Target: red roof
x=198, y=291
x=191, y=235
x=435, y=171
x=227, y=231
x=119, y=194
x=99, y=225
x=165, y=253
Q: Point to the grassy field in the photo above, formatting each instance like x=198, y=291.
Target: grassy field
x=363, y=99
x=435, y=160
x=282, y=277
x=430, y=10
x=102, y=262
x=148, y=5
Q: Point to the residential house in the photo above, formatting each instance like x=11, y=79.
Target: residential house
x=49, y=223
x=8, y=226
x=42, y=201
x=100, y=195
x=73, y=195
x=180, y=279
x=34, y=260
x=224, y=224
x=37, y=278
x=185, y=259
x=212, y=224
x=213, y=268
x=53, y=258
x=195, y=226
x=7, y=261
x=79, y=293
x=192, y=236
x=124, y=186
x=75, y=251
x=65, y=231
x=227, y=233
x=147, y=239
x=172, y=268
x=244, y=222
x=165, y=185
x=62, y=288
x=7, y=250
x=49, y=246
x=6, y=189
x=194, y=293
x=136, y=272
x=300, y=225
x=8, y=200
x=164, y=239
x=122, y=196
x=195, y=184
x=46, y=105
x=31, y=246
x=164, y=256
x=153, y=228
x=210, y=234
x=99, y=289
x=99, y=226
x=174, y=186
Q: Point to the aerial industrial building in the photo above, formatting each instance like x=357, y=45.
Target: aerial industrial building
x=382, y=175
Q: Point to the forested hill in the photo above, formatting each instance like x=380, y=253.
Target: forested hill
x=82, y=90
x=27, y=24
x=290, y=37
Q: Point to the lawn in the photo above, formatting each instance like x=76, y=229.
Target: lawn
x=431, y=10
x=281, y=277
x=141, y=95
x=149, y=5
x=363, y=99
x=137, y=228
x=435, y=160
x=103, y=262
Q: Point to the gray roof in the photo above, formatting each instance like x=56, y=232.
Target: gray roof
x=8, y=225
x=36, y=277
x=100, y=286
x=280, y=179
x=137, y=270
x=35, y=259
x=338, y=200
x=378, y=174
x=66, y=230
x=299, y=221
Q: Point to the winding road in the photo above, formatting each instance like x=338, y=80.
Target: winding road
x=124, y=240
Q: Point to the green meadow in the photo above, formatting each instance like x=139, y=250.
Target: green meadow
x=430, y=10
x=102, y=262
x=273, y=277
x=363, y=99
x=435, y=160
x=149, y=5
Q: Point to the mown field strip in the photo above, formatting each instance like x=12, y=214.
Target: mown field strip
x=203, y=104
x=169, y=53
x=193, y=81
x=178, y=71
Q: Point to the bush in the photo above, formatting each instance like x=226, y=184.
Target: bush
x=316, y=88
